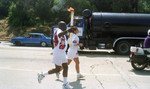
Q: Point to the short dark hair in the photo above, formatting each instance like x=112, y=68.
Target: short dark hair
x=62, y=25
x=61, y=22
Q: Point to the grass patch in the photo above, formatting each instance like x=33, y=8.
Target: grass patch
x=1, y=29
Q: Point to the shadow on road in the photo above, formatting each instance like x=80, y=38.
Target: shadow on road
x=77, y=85
x=142, y=72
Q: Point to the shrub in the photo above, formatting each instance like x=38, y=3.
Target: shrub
x=1, y=29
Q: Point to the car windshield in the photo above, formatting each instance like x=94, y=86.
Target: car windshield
x=78, y=22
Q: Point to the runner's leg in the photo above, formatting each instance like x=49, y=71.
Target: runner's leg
x=69, y=61
x=76, y=60
x=56, y=70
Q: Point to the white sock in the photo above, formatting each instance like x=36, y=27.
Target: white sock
x=65, y=80
x=45, y=73
x=78, y=74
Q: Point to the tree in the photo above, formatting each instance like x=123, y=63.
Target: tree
x=120, y=6
x=133, y=6
x=44, y=10
x=4, y=6
x=144, y=6
x=79, y=5
x=18, y=15
x=102, y=5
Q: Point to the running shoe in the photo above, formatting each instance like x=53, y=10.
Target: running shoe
x=40, y=77
x=57, y=75
x=67, y=86
x=79, y=76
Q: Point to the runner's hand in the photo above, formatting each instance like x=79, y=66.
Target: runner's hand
x=70, y=30
x=80, y=44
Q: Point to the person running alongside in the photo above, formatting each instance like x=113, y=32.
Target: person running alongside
x=73, y=50
x=59, y=55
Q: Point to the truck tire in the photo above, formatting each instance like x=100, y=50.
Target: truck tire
x=123, y=47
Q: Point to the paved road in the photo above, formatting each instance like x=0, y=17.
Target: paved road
x=103, y=69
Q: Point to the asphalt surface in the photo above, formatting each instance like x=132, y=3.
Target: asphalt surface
x=103, y=69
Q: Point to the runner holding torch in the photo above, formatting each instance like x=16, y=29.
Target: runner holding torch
x=74, y=46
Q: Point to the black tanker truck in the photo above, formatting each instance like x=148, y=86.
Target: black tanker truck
x=117, y=31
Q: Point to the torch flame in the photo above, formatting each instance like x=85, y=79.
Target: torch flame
x=70, y=9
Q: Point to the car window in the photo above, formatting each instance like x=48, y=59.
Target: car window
x=37, y=36
x=29, y=36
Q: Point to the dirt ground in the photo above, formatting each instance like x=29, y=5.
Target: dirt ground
x=7, y=32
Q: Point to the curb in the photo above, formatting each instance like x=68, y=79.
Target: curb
x=4, y=40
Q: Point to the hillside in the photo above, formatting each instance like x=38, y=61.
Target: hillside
x=7, y=32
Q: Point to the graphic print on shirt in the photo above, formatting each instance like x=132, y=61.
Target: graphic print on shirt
x=55, y=39
x=74, y=41
x=62, y=41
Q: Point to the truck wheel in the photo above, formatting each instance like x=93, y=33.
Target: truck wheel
x=43, y=44
x=18, y=43
x=123, y=47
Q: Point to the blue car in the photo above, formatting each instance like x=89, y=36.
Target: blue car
x=32, y=39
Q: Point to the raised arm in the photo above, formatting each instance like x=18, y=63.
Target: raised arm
x=62, y=25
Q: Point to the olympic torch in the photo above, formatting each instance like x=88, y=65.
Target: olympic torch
x=72, y=16
x=71, y=23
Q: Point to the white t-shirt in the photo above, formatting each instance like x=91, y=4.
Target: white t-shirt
x=73, y=41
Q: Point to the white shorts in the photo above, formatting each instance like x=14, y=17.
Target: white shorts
x=59, y=57
x=72, y=54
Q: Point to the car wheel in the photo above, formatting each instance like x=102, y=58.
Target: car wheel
x=43, y=44
x=18, y=43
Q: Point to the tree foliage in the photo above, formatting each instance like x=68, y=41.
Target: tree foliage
x=18, y=15
x=49, y=12
x=4, y=6
x=144, y=6
x=79, y=5
x=102, y=5
x=43, y=10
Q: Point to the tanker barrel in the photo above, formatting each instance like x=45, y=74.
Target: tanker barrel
x=127, y=22
x=87, y=13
